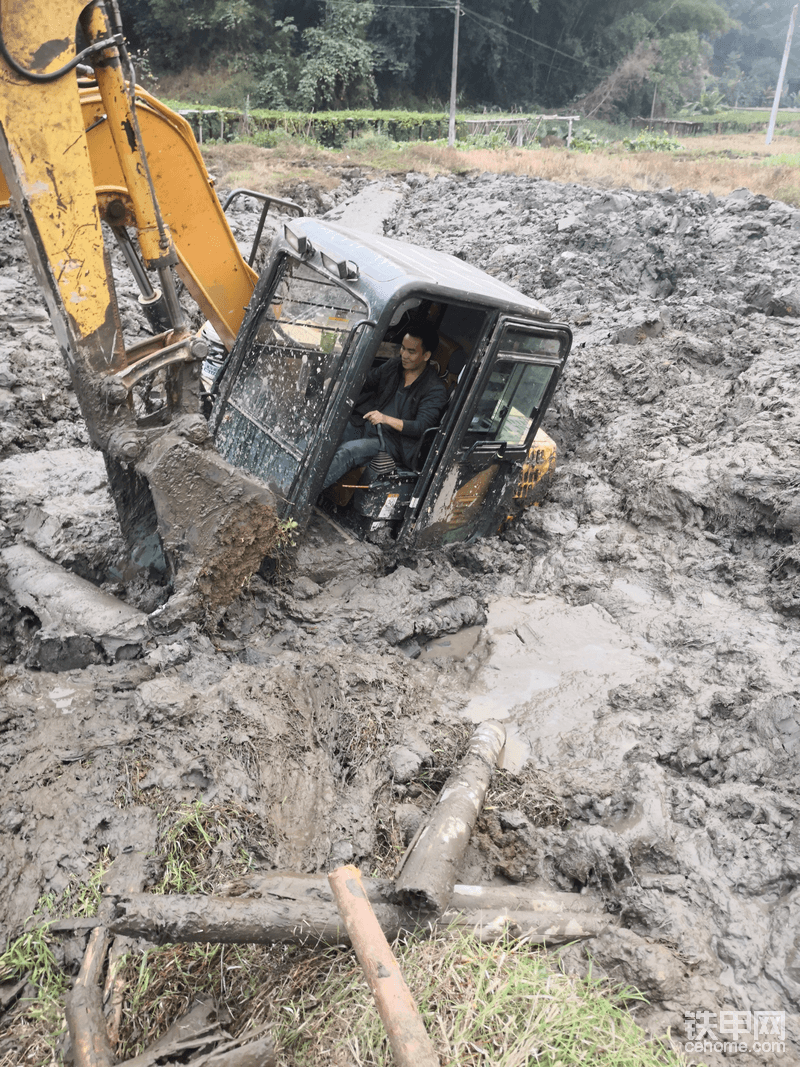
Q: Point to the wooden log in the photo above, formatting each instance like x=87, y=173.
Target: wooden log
x=84, y=1008
x=427, y=873
x=535, y=927
x=198, y=1036
x=84, y=1003
x=300, y=908
x=289, y=885
x=404, y=1026
x=280, y=914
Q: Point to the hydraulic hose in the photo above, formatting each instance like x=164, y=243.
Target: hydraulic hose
x=54, y=75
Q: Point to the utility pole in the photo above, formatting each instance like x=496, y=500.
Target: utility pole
x=779, y=86
x=451, y=131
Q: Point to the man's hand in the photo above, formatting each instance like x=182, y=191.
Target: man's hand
x=377, y=418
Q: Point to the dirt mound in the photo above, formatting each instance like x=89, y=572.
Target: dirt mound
x=645, y=654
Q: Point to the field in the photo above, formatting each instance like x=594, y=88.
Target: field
x=714, y=163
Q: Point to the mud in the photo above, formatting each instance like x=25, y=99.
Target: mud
x=638, y=633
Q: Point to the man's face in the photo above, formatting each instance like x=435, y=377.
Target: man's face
x=412, y=354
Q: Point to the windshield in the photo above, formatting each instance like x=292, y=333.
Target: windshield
x=510, y=401
x=294, y=354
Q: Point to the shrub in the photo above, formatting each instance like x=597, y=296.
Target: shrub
x=648, y=141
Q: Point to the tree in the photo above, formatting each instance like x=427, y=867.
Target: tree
x=590, y=41
x=747, y=58
x=412, y=41
x=182, y=33
x=513, y=53
x=338, y=61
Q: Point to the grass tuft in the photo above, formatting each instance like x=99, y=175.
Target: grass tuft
x=501, y=1004
x=204, y=844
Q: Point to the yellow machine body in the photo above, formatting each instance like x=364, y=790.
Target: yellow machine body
x=72, y=158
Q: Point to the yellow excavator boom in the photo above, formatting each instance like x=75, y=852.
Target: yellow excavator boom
x=72, y=158
x=209, y=261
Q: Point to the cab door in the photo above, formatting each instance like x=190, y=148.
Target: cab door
x=282, y=400
x=472, y=480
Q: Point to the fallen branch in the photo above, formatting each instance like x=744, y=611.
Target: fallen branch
x=84, y=1003
x=84, y=1008
x=300, y=908
x=404, y=1027
x=427, y=873
x=198, y=1032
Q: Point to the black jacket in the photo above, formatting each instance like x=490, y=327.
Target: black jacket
x=420, y=406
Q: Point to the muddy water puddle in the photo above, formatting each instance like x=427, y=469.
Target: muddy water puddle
x=548, y=670
x=453, y=646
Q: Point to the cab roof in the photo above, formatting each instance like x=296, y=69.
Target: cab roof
x=386, y=265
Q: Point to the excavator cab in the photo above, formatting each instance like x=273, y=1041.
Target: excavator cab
x=211, y=442
x=333, y=303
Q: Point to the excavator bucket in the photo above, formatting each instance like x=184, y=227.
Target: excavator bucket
x=183, y=509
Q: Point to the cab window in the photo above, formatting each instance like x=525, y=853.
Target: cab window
x=510, y=401
x=279, y=396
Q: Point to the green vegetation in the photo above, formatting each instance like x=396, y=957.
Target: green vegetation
x=330, y=128
x=733, y=121
x=200, y=845
x=648, y=141
x=340, y=54
x=586, y=140
x=503, y=1004
x=612, y=60
x=709, y=103
x=783, y=159
x=288, y=529
x=270, y=128
x=30, y=958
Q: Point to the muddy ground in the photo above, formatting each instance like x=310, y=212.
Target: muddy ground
x=639, y=633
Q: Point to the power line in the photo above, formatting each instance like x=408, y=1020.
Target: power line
x=487, y=22
x=525, y=37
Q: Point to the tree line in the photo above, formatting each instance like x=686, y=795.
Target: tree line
x=513, y=54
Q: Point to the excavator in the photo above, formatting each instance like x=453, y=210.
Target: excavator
x=216, y=440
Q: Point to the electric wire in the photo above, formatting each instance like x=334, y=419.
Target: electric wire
x=487, y=23
x=533, y=40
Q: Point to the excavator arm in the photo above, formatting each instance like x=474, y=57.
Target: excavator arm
x=73, y=157
x=209, y=261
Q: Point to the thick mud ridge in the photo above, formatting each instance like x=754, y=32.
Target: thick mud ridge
x=638, y=633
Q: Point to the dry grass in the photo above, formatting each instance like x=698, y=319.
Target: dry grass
x=530, y=792
x=711, y=164
x=501, y=1003
x=273, y=170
